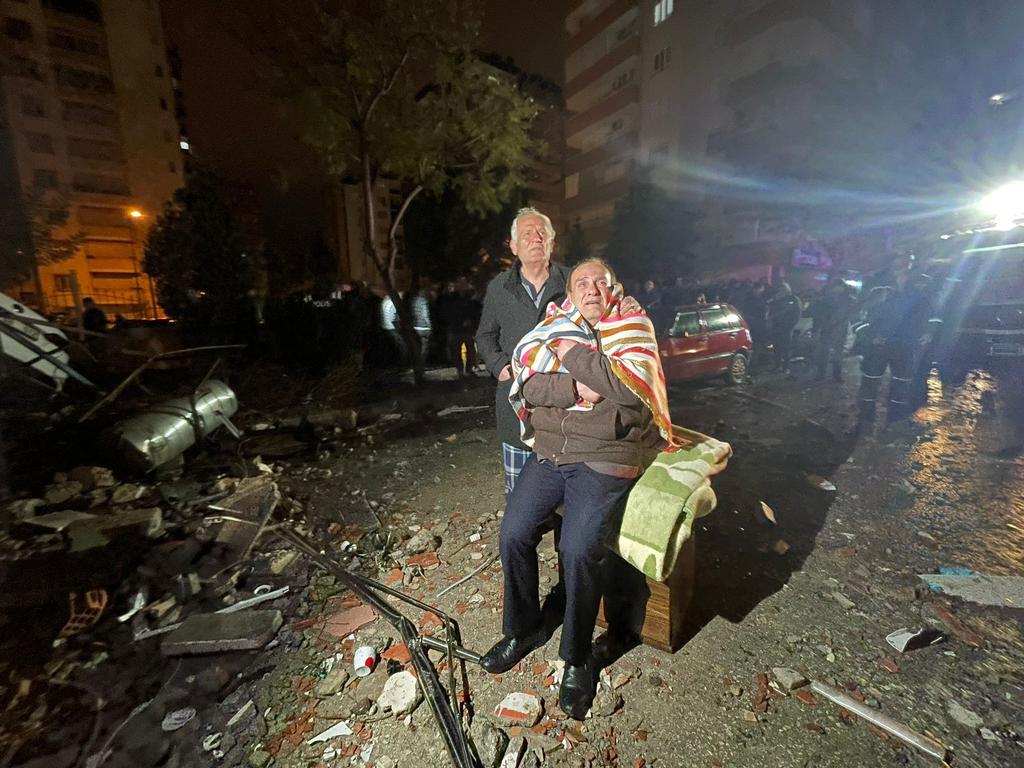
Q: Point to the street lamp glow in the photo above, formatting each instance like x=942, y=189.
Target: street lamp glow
x=135, y=213
x=1006, y=204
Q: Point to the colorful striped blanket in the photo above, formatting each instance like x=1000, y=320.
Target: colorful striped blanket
x=628, y=341
x=676, y=489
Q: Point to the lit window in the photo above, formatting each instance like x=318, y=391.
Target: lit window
x=185, y=145
x=662, y=10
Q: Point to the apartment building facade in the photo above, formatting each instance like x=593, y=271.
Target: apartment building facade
x=89, y=118
x=693, y=93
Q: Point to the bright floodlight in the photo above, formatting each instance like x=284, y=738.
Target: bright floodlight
x=1006, y=204
x=135, y=213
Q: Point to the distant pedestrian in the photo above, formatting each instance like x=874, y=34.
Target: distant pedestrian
x=783, y=315
x=93, y=318
x=897, y=331
x=831, y=314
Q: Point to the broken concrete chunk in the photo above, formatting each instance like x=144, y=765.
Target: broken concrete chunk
x=62, y=493
x=23, y=509
x=422, y=541
x=58, y=521
x=843, y=600
x=519, y=708
x=606, y=703
x=490, y=742
x=963, y=716
x=333, y=682
x=514, y=753
x=253, y=501
x=401, y=694
x=127, y=493
x=978, y=588
x=93, y=477
x=788, y=679
x=217, y=632
x=98, y=530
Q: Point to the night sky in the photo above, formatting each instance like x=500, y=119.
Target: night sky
x=245, y=135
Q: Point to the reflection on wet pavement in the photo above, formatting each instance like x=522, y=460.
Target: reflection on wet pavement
x=969, y=471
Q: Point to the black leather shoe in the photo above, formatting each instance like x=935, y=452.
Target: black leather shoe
x=577, y=691
x=612, y=646
x=509, y=651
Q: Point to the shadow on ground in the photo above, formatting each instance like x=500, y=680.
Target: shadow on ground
x=742, y=557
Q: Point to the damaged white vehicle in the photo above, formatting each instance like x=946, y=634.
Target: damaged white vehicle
x=30, y=341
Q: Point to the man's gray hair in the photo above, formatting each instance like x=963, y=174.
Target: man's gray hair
x=531, y=211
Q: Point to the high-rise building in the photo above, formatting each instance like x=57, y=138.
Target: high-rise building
x=689, y=91
x=603, y=72
x=344, y=230
x=89, y=113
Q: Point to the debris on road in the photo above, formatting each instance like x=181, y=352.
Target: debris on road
x=788, y=679
x=904, y=640
x=769, y=513
x=335, y=731
x=916, y=740
x=519, y=708
x=821, y=483
x=1005, y=591
x=217, y=632
x=401, y=694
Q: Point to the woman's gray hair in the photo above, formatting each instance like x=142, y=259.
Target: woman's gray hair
x=530, y=211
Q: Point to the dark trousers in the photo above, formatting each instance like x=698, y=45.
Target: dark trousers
x=829, y=348
x=897, y=356
x=782, y=342
x=593, y=504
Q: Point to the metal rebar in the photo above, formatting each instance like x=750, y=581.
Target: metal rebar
x=914, y=739
x=460, y=749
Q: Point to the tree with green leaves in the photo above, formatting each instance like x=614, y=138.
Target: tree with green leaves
x=196, y=255
x=394, y=90
x=35, y=234
x=653, y=233
x=445, y=241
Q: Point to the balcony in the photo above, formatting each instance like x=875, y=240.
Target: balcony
x=603, y=66
x=611, y=105
x=621, y=146
x=598, y=24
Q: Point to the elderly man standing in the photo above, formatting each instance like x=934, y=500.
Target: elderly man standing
x=513, y=305
x=593, y=437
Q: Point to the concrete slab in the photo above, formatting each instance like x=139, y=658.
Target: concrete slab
x=219, y=632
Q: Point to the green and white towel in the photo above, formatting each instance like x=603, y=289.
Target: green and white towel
x=673, y=492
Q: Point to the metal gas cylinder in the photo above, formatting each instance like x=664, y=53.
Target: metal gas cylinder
x=165, y=431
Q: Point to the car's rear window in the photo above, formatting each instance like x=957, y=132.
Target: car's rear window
x=686, y=323
x=719, y=320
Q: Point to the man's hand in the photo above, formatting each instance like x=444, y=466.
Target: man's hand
x=587, y=393
x=629, y=306
x=562, y=346
x=506, y=373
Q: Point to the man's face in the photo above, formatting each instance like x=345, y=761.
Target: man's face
x=532, y=244
x=590, y=291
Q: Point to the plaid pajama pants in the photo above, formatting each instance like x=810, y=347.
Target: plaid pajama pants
x=513, y=458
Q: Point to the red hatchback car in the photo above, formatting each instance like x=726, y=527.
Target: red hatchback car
x=706, y=340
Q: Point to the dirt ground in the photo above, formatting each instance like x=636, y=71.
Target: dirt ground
x=816, y=591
